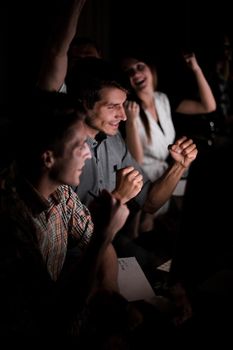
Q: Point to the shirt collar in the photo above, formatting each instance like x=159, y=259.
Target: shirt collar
x=97, y=141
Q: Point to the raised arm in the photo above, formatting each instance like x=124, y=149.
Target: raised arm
x=183, y=152
x=132, y=135
x=54, y=66
x=207, y=102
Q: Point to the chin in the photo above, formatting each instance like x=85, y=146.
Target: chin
x=74, y=183
x=112, y=132
x=77, y=183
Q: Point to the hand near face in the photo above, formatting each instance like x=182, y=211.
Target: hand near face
x=183, y=151
x=131, y=110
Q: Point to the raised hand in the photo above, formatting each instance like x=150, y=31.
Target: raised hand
x=131, y=110
x=191, y=61
x=129, y=183
x=183, y=151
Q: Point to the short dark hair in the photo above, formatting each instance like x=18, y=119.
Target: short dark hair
x=46, y=123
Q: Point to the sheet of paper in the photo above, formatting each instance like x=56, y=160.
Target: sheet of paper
x=132, y=281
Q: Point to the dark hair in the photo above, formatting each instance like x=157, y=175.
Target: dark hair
x=143, y=116
x=90, y=75
x=152, y=66
x=47, y=122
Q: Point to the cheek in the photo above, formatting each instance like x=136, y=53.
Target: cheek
x=77, y=160
x=76, y=155
x=101, y=122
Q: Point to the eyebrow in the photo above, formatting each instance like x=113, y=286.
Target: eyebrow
x=113, y=104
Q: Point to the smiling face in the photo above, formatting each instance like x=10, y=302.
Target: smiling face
x=107, y=113
x=67, y=167
x=141, y=76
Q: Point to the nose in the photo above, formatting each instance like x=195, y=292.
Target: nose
x=122, y=113
x=87, y=152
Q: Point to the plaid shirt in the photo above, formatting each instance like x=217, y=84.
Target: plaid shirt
x=62, y=215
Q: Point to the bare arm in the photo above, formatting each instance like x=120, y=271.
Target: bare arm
x=109, y=215
x=183, y=152
x=207, y=102
x=54, y=67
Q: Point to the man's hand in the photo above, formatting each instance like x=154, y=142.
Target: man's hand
x=108, y=214
x=129, y=183
x=183, y=151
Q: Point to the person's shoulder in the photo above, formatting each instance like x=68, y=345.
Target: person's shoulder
x=163, y=99
x=8, y=176
x=161, y=95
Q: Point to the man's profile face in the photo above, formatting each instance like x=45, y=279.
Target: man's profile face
x=108, y=112
x=68, y=167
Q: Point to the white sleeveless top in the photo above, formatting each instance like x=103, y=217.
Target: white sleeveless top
x=156, y=152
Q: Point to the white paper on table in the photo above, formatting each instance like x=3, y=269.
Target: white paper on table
x=133, y=283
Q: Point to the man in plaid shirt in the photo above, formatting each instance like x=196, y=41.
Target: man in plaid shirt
x=40, y=215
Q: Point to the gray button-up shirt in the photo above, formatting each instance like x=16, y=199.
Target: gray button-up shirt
x=109, y=154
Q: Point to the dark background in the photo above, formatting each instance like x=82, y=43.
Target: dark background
x=162, y=29
x=3, y=54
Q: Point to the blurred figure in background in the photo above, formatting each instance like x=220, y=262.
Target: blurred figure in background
x=222, y=84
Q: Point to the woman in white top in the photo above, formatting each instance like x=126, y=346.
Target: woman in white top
x=149, y=126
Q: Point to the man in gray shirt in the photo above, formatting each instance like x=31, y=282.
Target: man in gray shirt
x=110, y=155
